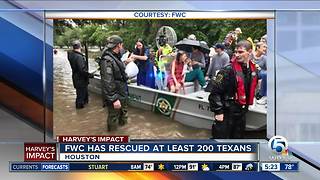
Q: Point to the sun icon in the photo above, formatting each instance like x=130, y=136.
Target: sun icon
x=161, y=167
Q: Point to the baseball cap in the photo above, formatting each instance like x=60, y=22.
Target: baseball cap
x=76, y=44
x=220, y=46
x=113, y=40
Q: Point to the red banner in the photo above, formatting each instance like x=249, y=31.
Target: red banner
x=40, y=152
x=92, y=139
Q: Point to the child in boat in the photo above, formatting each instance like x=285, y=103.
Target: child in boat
x=178, y=70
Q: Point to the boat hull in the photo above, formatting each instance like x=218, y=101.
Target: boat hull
x=191, y=109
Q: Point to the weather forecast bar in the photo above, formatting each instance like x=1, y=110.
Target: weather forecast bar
x=159, y=15
x=132, y=166
x=152, y=166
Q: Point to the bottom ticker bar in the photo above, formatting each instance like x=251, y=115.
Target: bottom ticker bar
x=132, y=166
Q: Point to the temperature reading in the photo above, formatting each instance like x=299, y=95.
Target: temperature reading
x=288, y=166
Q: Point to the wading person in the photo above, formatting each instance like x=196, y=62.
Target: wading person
x=114, y=83
x=80, y=75
x=233, y=90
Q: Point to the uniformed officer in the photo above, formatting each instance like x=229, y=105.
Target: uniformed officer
x=114, y=83
x=233, y=90
x=80, y=75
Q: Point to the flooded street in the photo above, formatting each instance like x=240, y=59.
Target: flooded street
x=92, y=120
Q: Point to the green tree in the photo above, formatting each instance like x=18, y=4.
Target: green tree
x=95, y=32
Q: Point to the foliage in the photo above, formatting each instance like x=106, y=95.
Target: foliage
x=95, y=32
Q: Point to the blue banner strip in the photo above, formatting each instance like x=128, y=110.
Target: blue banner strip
x=160, y=148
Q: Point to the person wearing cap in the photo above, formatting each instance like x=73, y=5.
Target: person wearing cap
x=114, y=83
x=80, y=75
x=218, y=61
x=233, y=90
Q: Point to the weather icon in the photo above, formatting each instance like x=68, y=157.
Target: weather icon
x=205, y=167
x=249, y=167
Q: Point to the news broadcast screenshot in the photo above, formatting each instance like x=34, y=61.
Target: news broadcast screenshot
x=159, y=90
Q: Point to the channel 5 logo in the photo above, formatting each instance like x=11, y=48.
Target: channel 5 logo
x=279, y=145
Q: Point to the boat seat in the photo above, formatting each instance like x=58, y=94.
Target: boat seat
x=188, y=87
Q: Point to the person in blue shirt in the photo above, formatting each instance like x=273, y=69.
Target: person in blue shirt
x=140, y=55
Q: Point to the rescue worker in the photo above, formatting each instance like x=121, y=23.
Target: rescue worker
x=232, y=92
x=80, y=75
x=114, y=83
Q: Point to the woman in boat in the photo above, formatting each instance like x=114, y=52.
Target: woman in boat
x=141, y=57
x=178, y=70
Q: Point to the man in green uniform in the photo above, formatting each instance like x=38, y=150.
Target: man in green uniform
x=114, y=83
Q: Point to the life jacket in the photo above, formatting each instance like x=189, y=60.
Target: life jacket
x=241, y=93
x=163, y=50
